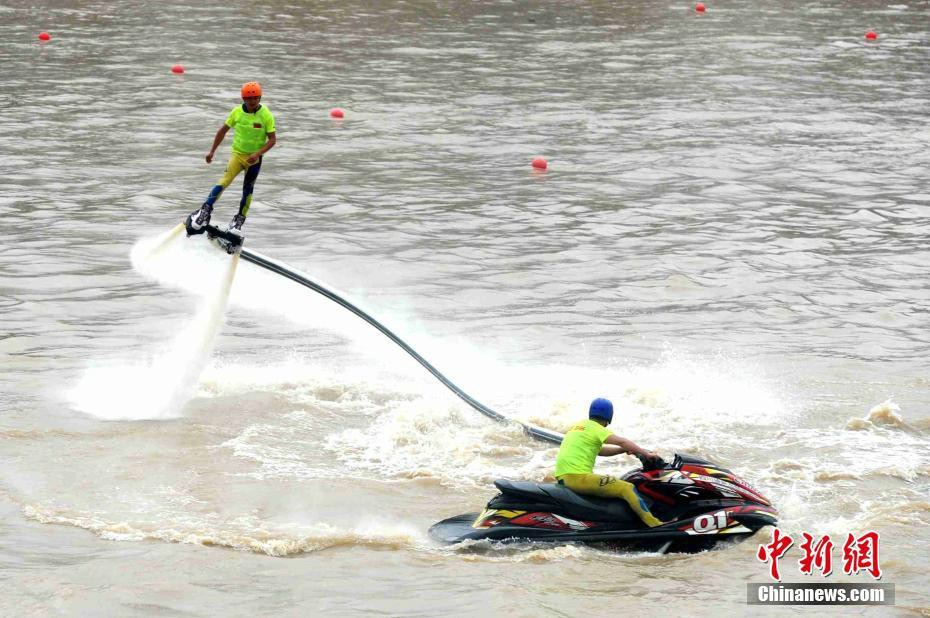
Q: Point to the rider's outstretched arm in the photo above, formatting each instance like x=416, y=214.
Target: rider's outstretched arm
x=217, y=140
x=615, y=445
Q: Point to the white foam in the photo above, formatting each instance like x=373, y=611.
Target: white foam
x=187, y=263
x=246, y=533
x=416, y=429
x=159, y=387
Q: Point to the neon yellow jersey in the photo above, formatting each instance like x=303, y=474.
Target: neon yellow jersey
x=250, y=130
x=582, y=443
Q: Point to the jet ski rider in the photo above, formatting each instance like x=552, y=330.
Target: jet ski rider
x=583, y=442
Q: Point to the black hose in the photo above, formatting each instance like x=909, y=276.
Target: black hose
x=282, y=269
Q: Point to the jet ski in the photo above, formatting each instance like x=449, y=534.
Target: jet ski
x=702, y=503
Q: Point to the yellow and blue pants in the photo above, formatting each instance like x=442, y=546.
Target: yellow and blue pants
x=237, y=163
x=604, y=486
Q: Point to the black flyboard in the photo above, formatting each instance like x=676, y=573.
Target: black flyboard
x=228, y=241
x=294, y=275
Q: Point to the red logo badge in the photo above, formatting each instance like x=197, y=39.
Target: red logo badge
x=859, y=554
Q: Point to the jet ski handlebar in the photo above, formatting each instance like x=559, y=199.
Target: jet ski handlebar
x=652, y=463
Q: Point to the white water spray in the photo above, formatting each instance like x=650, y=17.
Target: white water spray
x=160, y=387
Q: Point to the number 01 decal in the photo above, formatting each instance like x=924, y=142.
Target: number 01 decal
x=711, y=522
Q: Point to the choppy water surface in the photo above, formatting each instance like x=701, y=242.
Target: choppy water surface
x=730, y=242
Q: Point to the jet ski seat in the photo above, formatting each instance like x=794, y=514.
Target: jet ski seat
x=564, y=501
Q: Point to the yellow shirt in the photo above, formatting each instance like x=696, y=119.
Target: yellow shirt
x=250, y=131
x=582, y=443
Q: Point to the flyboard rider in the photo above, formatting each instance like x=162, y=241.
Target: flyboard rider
x=253, y=135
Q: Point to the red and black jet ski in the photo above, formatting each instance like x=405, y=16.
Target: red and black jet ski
x=702, y=502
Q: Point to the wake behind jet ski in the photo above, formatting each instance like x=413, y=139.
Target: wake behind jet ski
x=700, y=502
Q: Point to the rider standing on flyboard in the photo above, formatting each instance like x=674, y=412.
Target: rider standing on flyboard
x=253, y=135
x=582, y=443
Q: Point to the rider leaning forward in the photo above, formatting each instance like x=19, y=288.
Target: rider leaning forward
x=583, y=442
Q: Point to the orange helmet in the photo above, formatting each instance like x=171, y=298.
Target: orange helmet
x=251, y=89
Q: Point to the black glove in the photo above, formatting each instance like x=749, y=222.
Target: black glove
x=652, y=462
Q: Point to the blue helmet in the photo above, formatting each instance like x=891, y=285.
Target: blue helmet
x=602, y=408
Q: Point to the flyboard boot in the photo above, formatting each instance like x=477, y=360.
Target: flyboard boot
x=198, y=220
x=235, y=226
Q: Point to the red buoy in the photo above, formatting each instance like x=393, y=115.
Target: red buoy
x=337, y=113
x=44, y=36
x=871, y=35
x=540, y=163
x=177, y=69
x=699, y=7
